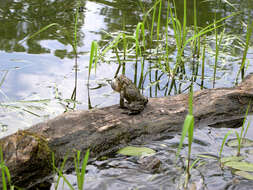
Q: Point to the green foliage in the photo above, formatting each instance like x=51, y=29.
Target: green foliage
x=217, y=48
x=245, y=142
x=59, y=171
x=243, y=132
x=39, y=31
x=135, y=151
x=242, y=166
x=4, y=172
x=224, y=141
x=231, y=159
x=93, y=57
x=80, y=169
x=247, y=44
x=244, y=174
x=188, y=128
x=240, y=137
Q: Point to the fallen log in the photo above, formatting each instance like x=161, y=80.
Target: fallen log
x=27, y=153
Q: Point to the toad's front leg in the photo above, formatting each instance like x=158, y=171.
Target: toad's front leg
x=121, y=101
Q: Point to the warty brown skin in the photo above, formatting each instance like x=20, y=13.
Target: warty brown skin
x=135, y=101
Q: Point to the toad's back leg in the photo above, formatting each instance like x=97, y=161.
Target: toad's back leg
x=135, y=107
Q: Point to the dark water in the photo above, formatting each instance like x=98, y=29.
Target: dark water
x=38, y=76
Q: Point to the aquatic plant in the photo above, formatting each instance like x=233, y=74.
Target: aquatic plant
x=188, y=129
x=247, y=44
x=5, y=173
x=239, y=137
x=80, y=170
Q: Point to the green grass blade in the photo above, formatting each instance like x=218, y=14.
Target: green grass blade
x=64, y=178
x=223, y=142
x=203, y=63
x=149, y=11
x=2, y=167
x=166, y=34
x=159, y=20
x=61, y=170
x=113, y=44
x=184, y=25
x=187, y=41
x=3, y=79
x=75, y=27
x=8, y=175
x=242, y=130
x=84, y=164
x=230, y=4
x=93, y=57
x=187, y=124
x=38, y=32
x=140, y=25
x=76, y=161
x=190, y=135
x=191, y=100
x=153, y=21
x=239, y=143
x=3, y=178
x=248, y=37
x=194, y=163
x=244, y=135
x=217, y=50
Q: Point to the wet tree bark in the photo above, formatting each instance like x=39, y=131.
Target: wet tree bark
x=27, y=153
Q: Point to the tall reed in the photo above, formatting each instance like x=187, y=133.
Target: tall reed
x=247, y=44
x=188, y=129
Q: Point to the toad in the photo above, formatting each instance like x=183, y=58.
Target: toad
x=135, y=101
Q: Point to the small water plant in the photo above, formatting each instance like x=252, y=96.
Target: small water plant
x=80, y=170
x=240, y=137
x=236, y=162
x=6, y=177
x=188, y=129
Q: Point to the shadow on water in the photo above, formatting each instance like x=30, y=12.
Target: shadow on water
x=39, y=77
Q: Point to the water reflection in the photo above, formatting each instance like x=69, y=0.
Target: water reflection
x=24, y=18
x=43, y=67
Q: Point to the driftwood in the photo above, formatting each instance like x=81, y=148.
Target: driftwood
x=27, y=153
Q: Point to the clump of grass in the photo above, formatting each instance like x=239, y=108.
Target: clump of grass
x=239, y=137
x=59, y=171
x=243, y=132
x=80, y=169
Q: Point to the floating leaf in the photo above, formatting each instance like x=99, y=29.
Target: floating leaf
x=207, y=156
x=243, y=166
x=245, y=143
x=244, y=174
x=136, y=151
x=231, y=159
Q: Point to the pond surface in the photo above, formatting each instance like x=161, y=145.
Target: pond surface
x=125, y=172
x=38, y=75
